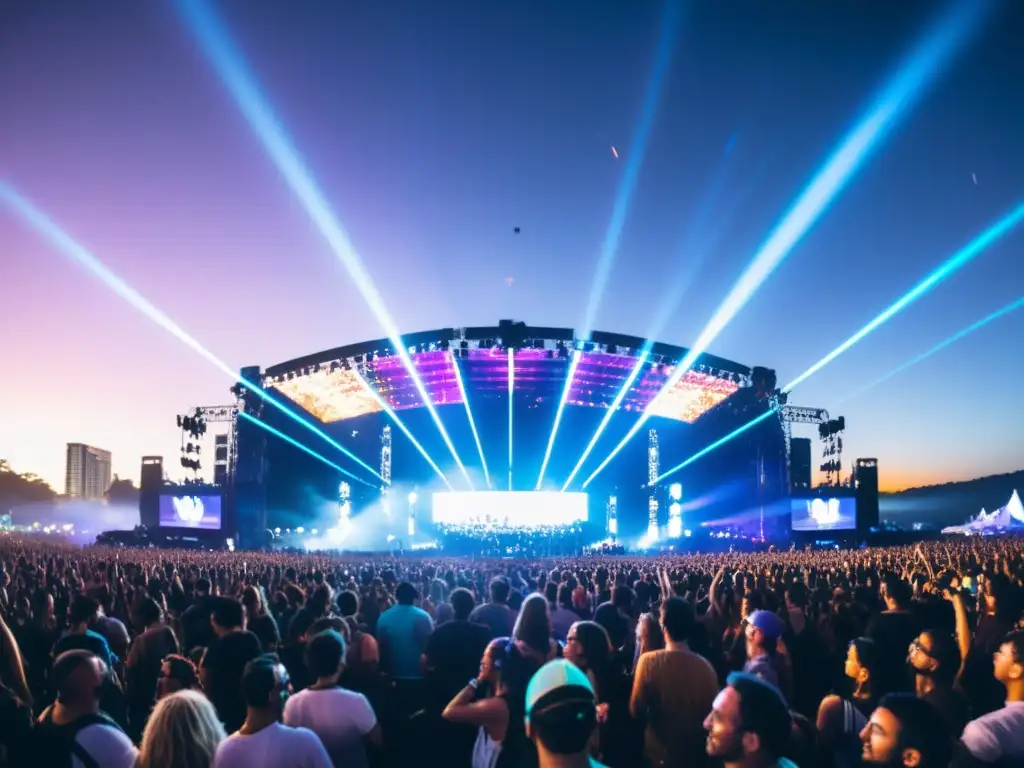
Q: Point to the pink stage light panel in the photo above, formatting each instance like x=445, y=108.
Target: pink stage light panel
x=396, y=386
x=539, y=373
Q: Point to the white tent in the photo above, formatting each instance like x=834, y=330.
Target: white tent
x=1007, y=516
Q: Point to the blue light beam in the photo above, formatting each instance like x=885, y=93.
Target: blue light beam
x=469, y=414
x=229, y=63
x=977, y=326
x=612, y=409
x=511, y=391
x=64, y=243
x=634, y=161
x=386, y=407
x=891, y=105
x=957, y=261
x=277, y=433
x=566, y=390
x=947, y=269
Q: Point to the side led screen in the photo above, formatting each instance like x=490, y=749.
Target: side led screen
x=201, y=512
x=509, y=509
x=824, y=514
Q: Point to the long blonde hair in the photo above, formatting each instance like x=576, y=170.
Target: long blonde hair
x=182, y=732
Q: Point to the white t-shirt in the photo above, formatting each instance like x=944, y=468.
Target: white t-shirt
x=107, y=745
x=341, y=718
x=276, y=746
x=998, y=735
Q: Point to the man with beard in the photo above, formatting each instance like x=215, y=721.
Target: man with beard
x=934, y=658
x=749, y=725
x=906, y=732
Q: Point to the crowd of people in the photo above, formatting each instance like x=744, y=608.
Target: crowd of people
x=907, y=656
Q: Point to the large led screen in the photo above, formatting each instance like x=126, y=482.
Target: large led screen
x=509, y=509
x=837, y=514
x=201, y=512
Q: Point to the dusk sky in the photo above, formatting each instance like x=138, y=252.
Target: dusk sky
x=437, y=126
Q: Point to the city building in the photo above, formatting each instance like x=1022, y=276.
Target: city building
x=88, y=472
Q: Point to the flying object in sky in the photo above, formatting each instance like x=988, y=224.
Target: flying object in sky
x=615, y=153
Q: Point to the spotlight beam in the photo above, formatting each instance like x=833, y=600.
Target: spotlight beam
x=511, y=394
x=386, y=407
x=890, y=107
x=65, y=244
x=277, y=433
x=469, y=414
x=977, y=326
x=947, y=269
x=637, y=149
x=229, y=63
x=566, y=390
x=612, y=409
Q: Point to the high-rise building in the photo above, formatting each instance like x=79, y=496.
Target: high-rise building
x=88, y=472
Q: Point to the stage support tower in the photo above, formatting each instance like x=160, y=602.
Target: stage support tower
x=653, y=471
x=385, y=471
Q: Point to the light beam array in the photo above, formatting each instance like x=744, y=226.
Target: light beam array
x=887, y=111
x=66, y=245
x=566, y=390
x=230, y=65
x=944, y=271
x=612, y=410
x=469, y=414
x=384, y=406
x=976, y=326
x=309, y=451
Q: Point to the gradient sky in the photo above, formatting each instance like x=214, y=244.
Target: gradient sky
x=435, y=128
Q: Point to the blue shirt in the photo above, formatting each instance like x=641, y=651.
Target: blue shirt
x=403, y=631
x=90, y=641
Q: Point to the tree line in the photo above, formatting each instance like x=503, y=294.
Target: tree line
x=28, y=487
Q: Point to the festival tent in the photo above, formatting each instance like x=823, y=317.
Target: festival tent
x=1009, y=516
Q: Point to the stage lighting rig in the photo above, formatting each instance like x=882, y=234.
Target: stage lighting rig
x=653, y=470
x=612, y=511
x=831, y=434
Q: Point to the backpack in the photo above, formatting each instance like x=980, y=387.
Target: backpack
x=57, y=745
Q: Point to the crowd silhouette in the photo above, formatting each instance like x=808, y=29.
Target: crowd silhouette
x=900, y=656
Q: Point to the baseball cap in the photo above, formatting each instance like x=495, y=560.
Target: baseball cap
x=767, y=622
x=557, y=682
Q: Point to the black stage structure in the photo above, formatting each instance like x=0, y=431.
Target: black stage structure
x=353, y=394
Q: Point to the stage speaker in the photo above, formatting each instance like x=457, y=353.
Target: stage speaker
x=249, y=519
x=866, y=481
x=150, y=484
x=800, y=464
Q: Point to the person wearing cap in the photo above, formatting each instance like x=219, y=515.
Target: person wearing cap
x=561, y=716
x=763, y=632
